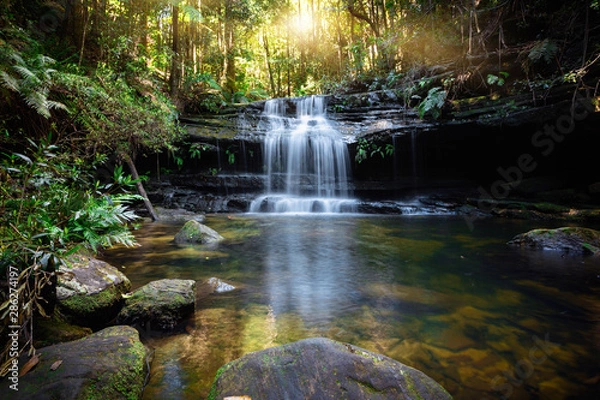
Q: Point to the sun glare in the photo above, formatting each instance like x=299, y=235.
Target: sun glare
x=302, y=23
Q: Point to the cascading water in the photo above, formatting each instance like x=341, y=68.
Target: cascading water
x=306, y=161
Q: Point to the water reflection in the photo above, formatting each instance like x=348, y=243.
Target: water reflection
x=318, y=284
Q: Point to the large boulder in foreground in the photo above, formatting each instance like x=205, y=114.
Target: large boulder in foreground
x=159, y=305
x=567, y=239
x=193, y=232
x=110, y=364
x=90, y=292
x=322, y=369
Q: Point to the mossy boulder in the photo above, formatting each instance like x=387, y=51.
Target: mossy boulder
x=321, y=368
x=109, y=364
x=193, y=232
x=567, y=239
x=159, y=305
x=53, y=330
x=90, y=292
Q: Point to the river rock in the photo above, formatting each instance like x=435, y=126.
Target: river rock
x=160, y=304
x=566, y=239
x=109, y=364
x=218, y=286
x=90, y=291
x=193, y=232
x=320, y=368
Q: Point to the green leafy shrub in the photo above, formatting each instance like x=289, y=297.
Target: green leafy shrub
x=50, y=208
x=433, y=103
x=366, y=149
x=116, y=117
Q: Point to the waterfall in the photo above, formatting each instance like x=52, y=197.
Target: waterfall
x=306, y=160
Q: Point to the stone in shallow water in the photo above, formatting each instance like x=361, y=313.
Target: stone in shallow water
x=219, y=286
x=320, y=368
x=193, y=232
x=160, y=304
x=89, y=292
x=567, y=239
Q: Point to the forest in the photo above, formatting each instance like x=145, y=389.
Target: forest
x=87, y=87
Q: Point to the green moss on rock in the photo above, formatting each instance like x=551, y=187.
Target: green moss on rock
x=90, y=292
x=566, y=239
x=193, y=232
x=160, y=304
x=49, y=331
x=322, y=369
x=107, y=365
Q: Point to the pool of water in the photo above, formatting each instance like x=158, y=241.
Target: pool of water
x=483, y=319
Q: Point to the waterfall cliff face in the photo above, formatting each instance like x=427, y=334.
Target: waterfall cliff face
x=306, y=160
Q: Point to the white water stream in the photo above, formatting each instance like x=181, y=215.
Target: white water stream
x=306, y=161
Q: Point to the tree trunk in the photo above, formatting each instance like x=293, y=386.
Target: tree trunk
x=269, y=68
x=140, y=187
x=175, y=67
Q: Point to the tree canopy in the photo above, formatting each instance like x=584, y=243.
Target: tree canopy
x=215, y=51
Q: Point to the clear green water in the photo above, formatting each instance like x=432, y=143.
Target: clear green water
x=485, y=320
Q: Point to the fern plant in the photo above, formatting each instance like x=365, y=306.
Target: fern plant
x=543, y=50
x=32, y=79
x=433, y=103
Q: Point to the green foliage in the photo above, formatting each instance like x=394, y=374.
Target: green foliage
x=116, y=117
x=32, y=79
x=497, y=79
x=49, y=204
x=50, y=208
x=196, y=150
x=433, y=103
x=366, y=149
x=230, y=152
x=543, y=50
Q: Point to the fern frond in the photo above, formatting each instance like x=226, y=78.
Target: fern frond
x=38, y=101
x=56, y=105
x=17, y=58
x=26, y=73
x=9, y=82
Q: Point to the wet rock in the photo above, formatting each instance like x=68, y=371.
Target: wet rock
x=567, y=239
x=193, y=232
x=110, y=364
x=320, y=368
x=219, y=286
x=160, y=304
x=89, y=292
x=53, y=330
x=178, y=215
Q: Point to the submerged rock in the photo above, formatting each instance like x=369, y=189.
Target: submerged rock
x=193, y=232
x=219, y=286
x=567, y=239
x=160, y=304
x=321, y=368
x=110, y=364
x=89, y=293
